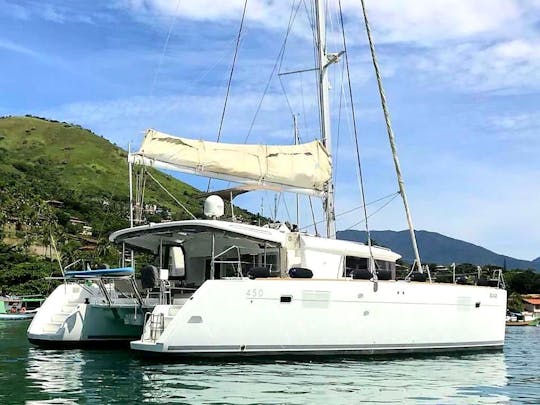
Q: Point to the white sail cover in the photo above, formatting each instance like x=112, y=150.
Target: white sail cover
x=304, y=167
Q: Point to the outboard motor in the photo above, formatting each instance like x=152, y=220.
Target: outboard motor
x=149, y=277
x=300, y=272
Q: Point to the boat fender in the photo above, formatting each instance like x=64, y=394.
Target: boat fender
x=493, y=282
x=149, y=277
x=482, y=282
x=384, y=274
x=300, y=272
x=421, y=277
x=361, y=274
x=461, y=280
x=258, y=272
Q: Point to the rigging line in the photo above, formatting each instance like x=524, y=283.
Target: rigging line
x=310, y=13
x=287, y=209
x=276, y=67
x=313, y=216
x=353, y=113
x=339, y=123
x=393, y=195
x=391, y=138
x=285, y=94
x=303, y=107
x=203, y=75
x=164, y=50
x=375, y=212
x=230, y=79
x=170, y=195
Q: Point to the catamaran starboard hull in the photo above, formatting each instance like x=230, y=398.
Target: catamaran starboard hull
x=327, y=317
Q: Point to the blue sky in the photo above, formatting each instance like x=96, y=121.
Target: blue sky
x=462, y=80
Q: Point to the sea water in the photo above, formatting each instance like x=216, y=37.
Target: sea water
x=36, y=376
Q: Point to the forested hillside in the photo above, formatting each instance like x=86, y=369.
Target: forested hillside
x=58, y=179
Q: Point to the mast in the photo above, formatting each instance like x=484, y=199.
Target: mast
x=392, y=141
x=323, y=62
x=296, y=142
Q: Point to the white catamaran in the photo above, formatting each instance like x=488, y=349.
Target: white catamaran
x=249, y=290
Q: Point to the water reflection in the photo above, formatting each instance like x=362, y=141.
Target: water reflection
x=107, y=376
x=440, y=379
x=99, y=376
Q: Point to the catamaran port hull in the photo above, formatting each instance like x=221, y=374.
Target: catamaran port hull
x=68, y=318
x=326, y=317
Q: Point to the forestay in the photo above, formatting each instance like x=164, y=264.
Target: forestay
x=304, y=168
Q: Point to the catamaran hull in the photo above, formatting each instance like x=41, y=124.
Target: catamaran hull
x=327, y=317
x=65, y=320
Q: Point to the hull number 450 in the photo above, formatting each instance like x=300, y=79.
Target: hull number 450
x=254, y=293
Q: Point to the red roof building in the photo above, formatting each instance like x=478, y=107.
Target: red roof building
x=531, y=303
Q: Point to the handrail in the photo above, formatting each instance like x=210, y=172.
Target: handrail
x=238, y=262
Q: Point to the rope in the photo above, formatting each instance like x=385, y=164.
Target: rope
x=356, y=208
x=230, y=79
x=375, y=212
x=361, y=178
x=391, y=136
x=165, y=45
x=277, y=65
x=170, y=195
x=313, y=216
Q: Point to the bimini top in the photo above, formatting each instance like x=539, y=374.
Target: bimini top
x=150, y=237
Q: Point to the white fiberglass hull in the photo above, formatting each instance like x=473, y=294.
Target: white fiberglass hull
x=256, y=317
x=70, y=316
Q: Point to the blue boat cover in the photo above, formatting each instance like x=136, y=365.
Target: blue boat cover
x=121, y=271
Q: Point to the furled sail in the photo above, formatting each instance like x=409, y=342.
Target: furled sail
x=301, y=168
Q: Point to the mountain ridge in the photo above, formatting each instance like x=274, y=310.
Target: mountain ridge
x=437, y=248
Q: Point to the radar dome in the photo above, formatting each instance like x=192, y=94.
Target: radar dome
x=214, y=206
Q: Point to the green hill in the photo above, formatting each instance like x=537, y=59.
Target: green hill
x=437, y=248
x=59, y=179
x=58, y=160
x=63, y=182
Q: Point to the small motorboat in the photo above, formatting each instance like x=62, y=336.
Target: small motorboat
x=19, y=307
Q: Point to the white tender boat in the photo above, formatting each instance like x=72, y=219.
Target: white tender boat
x=266, y=291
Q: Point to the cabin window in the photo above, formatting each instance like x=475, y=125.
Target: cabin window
x=355, y=263
x=384, y=265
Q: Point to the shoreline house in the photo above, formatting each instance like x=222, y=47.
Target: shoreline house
x=531, y=306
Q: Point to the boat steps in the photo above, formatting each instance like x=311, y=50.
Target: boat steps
x=52, y=326
x=60, y=316
x=173, y=310
x=69, y=307
x=166, y=321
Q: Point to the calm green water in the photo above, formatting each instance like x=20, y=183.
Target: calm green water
x=36, y=376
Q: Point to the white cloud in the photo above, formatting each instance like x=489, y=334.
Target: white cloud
x=525, y=123
x=492, y=205
x=426, y=22
x=55, y=13
x=14, y=47
x=394, y=20
x=472, y=46
x=507, y=67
